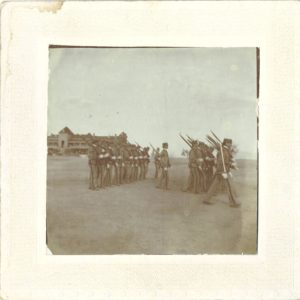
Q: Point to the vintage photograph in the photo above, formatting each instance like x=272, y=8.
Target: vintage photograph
x=152, y=150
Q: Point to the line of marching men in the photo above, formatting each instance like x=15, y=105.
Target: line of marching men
x=201, y=165
x=210, y=173
x=116, y=163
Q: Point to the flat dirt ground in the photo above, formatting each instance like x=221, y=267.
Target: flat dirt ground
x=138, y=218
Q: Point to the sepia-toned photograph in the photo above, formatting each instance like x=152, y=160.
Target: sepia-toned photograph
x=152, y=151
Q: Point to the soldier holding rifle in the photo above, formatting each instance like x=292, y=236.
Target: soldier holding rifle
x=201, y=167
x=193, y=165
x=222, y=173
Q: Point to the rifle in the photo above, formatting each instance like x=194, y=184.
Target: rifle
x=190, y=139
x=185, y=140
x=216, y=137
x=152, y=147
x=212, y=141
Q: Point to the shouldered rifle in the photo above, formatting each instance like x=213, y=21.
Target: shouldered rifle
x=189, y=138
x=216, y=137
x=185, y=140
x=212, y=141
x=153, y=148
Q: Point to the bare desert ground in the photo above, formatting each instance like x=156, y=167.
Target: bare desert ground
x=137, y=218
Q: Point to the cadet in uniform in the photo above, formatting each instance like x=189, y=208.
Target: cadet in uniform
x=157, y=162
x=131, y=164
x=193, y=164
x=126, y=162
x=120, y=166
x=223, y=167
x=115, y=168
x=92, y=157
x=209, y=165
x=190, y=184
x=101, y=166
x=136, y=164
x=165, y=165
x=108, y=175
x=200, y=168
x=147, y=160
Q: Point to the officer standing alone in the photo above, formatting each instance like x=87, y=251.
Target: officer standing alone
x=165, y=165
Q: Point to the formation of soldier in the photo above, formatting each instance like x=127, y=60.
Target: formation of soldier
x=210, y=173
x=121, y=163
x=201, y=166
x=222, y=178
x=113, y=164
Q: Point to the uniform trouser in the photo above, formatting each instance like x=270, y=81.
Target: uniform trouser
x=202, y=181
x=126, y=172
x=142, y=171
x=116, y=175
x=129, y=174
x=135, y=172
x=93, y=176
x=123, y=173
x=217, y=181
x=190, y=180
x=209, y=177
x=146, y=169
x=108, y=175
x=164, y=179
x=195, y=179
x=101, y=175
x=156, y=170
x=120, y=173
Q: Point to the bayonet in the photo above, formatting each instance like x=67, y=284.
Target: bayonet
x=185, y=140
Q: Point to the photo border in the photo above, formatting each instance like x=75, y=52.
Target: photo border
x=27, y=272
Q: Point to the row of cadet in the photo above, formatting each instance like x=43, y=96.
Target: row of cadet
x=115, y=164
x=211, y=173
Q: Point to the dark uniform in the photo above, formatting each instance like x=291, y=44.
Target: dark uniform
x=209, y=166
x=120, y=167
x=222, y=174
x=92, y=159
x=131, y=164
x=102, y=158
x=109, y=164
x=115, y=168
x=200, y=169
x=165, y=165
x=126, y=162
x=157, y=162
x=136, y=164
x=141, y=165
x=193, y=165
x=146, y=160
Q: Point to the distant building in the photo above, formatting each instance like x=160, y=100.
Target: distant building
x=68, y=143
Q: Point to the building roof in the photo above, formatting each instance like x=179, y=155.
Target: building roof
x=66, y=130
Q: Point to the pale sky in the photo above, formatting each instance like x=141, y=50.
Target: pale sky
x=152, y=94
